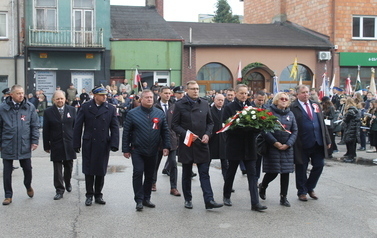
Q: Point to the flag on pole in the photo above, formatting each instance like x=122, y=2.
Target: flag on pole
x=348, y=88
x=137, y=78
x=188, y=138
x=276, y=83
x=313, y=81
x=358, y=81
x=300, y=82
x=294, y=70
x=239, y=73
x=332, y=85
x=372, y=86
x=324, y=87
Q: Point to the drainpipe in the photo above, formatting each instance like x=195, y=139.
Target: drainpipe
x=18, y=42
x=190, y=50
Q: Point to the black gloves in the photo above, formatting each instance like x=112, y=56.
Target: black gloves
x=114, y=149
x=77, y=150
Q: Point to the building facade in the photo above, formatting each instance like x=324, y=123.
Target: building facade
x=350, y=24
x=67, y=42
x=11, y=44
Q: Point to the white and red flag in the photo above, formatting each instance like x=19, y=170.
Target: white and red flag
x=239, y=74
x=189, y=138
x=348, y=85
x=137, y=78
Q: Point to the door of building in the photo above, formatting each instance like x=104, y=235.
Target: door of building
x=82, y=80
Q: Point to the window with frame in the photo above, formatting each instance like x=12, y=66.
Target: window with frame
x=364, y=27
x=45, y=14
x=3, y=25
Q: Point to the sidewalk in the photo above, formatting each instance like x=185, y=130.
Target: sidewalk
x=362, y=156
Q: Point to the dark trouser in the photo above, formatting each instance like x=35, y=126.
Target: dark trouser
x=224, y=167
x=7, y=175
x=258, y=165
x=204, y=178
x=143, y=165
x=315, y=155
x=242, y=166
x=58, y=174
x=351, y=149
x=333, y=143
x=94, y=185
x=284, y=181
x=363, y=139
x=171, y=167
x=250, y=170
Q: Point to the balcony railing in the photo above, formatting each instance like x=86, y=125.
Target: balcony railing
x=66, y=38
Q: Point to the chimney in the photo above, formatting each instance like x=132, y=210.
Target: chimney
x=157, y=4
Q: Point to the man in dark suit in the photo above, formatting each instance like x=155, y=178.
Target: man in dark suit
x=101, y=134
x=240, y=146
x=217, y=141
x=192, y=113
x=312, y=142
x=230, y=94
x=57, y=140
x=164, y=104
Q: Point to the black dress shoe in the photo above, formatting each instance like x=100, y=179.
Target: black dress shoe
x=258, y=207
x=139, y=206
x=68, y=188
x=188, y=204
x=227, y=202
x=100, y=201
x=88, y=201
x=262, y=192
x=284, y=201
x=193, y=174
x=213, y=204
x=148, y=203
x=58, y=196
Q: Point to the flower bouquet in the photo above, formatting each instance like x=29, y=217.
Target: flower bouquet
x=252, y=118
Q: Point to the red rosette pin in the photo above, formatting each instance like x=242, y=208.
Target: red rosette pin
x=155, y=123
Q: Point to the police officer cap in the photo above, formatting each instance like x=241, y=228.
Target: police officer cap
x=6, y=91
x=339, y=89
x=99, y=90
x=178, y=89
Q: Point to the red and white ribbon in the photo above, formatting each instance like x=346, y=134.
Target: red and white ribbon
x=155, y=123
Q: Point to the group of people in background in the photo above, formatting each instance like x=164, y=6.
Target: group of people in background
x=175, y=122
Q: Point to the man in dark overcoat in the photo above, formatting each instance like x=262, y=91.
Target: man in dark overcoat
x=240, y=146
x=217, y=141
x=101, y=134
x=58, y=125
x=192, y=113
x=311, y=145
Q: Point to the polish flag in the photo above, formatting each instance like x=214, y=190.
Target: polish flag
x=137, y=78
x=188, y=138
x=239, y=74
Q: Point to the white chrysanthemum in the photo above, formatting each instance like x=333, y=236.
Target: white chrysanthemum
x=244, y=112
x=252, y=112
x=237, y=120
x=248, y=108
x=254, y=117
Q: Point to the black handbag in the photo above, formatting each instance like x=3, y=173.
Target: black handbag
x=261, y=145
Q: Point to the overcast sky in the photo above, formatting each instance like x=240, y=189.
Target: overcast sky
x=185, y=10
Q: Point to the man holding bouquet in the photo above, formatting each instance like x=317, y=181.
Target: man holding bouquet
x=241, y=146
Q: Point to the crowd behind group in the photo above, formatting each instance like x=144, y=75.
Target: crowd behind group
x=160, y=120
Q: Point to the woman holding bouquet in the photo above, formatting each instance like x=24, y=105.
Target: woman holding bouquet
x=279, y=158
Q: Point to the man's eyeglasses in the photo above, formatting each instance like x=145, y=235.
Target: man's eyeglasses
x=284, y=99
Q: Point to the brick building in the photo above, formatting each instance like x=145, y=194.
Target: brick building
x=350, y=24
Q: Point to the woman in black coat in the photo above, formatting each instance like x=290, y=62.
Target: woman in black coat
x=329, y=114
x=351, y=130
x=279, y=158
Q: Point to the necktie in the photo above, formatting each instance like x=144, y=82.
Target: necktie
x=16, y=106
x=165, y=108
x=308, y=111
x=61, y=112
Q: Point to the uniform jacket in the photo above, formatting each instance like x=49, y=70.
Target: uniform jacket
x=240, y=143
x=299, y=114
x=169, y=117
x=18, y=129
x=139, y=133
x=101, y=133
x=280, y=161
x=58, y=133
x=196, y=118
x=217, y=141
